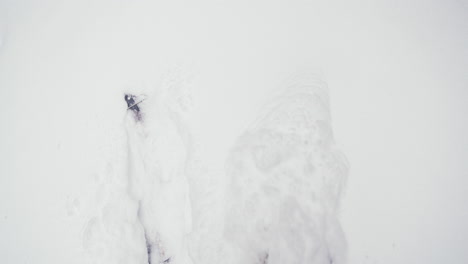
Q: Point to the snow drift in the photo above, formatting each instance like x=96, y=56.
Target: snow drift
x=276, y=202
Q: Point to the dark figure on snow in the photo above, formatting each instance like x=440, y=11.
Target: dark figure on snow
x=133, y=105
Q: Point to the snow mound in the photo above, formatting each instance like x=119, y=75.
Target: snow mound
x=276, y=202
x=286, y=177
x=146, y=214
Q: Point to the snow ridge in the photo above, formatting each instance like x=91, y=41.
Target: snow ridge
x=286, y=179
x=276, y=202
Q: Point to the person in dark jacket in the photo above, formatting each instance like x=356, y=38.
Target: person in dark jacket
x=133, y=105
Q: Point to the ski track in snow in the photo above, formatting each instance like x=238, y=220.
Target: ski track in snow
x=276, y=202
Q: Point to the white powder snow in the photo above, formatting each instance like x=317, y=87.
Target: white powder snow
x=234, y=160
x=286, y=178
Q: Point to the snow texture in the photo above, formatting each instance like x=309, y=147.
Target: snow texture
x=146, y=214
x=277, y=201
x=202, y=173
x=286, y=177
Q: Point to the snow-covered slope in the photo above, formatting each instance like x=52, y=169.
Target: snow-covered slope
x=277, y=201
x=145, y=212
x=285, y=182
x=234, y=160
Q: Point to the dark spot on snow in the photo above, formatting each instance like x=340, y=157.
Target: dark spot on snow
x=132, y=104
x=148, y=248
x=264, y=258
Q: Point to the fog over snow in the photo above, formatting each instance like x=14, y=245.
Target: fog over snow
x=266, y=132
